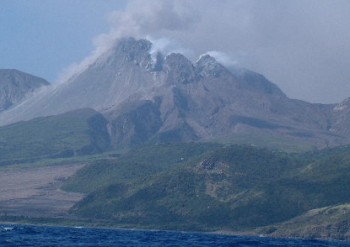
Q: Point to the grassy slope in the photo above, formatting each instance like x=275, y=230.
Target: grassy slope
x=206, y=194
x=69, y=134
x=139, y=163
x=322, y=207
x=232, y=187
x=330, y=222
x=321, y=183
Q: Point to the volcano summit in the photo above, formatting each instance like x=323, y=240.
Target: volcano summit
x=152, y=98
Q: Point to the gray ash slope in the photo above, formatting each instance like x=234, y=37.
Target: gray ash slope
x=15, y=86
x=154, y=99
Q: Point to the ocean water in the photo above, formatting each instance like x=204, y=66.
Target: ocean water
x=25, y=236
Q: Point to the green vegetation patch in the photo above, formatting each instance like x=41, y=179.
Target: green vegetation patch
x=70, y=134
x=204, y=188
x=139, y=163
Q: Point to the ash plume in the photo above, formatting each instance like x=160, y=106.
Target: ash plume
x=301, y=45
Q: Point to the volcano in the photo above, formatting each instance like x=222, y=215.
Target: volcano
x=155, y=98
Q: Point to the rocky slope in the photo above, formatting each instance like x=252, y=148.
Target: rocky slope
x=113, y=78
x=15, y=86
x=157, y=99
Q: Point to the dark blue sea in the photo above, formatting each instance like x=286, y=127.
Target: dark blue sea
x=25, y=235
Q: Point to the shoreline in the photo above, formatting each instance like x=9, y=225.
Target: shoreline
x=83, y=224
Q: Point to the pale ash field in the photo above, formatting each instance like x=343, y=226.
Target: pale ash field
x=35, y=191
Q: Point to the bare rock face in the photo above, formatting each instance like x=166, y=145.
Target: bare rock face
x=15, y=86
x=179, y=69
x=207, y=66
x=134, y=124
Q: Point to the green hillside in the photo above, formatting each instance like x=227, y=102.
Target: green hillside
x=330, y=222
x=205, y=193
x=222, y=188
x=75, y=133
x=139, y=163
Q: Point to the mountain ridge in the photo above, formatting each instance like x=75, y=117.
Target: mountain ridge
x=184, y=101
x=15, y=86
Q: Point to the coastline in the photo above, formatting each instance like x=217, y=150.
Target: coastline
x=89, y=224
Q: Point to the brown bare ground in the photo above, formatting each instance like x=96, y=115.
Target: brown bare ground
x=35, y=192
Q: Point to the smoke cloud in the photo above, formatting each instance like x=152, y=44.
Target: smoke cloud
x=300, y=45
x=142, y=19
x=223, y=58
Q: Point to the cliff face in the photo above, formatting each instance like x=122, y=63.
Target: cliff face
x=15, y=86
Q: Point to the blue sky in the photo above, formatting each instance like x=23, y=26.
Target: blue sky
x=42, y=37
x=303, y=46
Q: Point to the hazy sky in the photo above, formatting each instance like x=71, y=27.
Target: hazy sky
x=301, y=45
